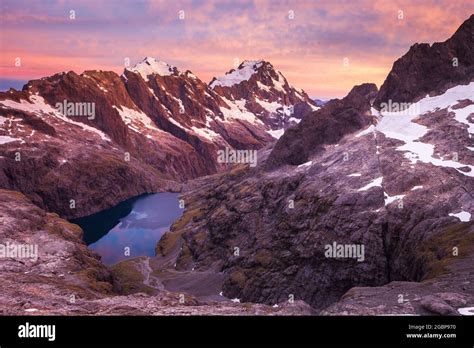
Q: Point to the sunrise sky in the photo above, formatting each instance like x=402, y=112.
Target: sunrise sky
x=308, y=45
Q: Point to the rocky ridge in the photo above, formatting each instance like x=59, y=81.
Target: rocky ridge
x=153, y=128
x=399, y=183
x=265, y=92
x=430, y=69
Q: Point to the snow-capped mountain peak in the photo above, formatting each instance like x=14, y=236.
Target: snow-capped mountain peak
x=262, y=90
x=243, y=73
x=152, y=66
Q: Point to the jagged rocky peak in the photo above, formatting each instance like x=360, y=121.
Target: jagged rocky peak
x=466, y=31
x=361, y=96
x=243, y=73
x=265, y=92
x=431, y=69
x=151, y=66
x=325, y=126
x=72, y=85
x=258, y=74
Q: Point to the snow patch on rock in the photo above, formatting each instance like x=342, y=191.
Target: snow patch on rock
x=205, y=133
x=151, y=66
x=4, y=139
x=464, y=216
x=277, y=133
x=307, y=164
x=275, y=107
x=136, y=120
x=236, y=76
x=466, y=311
x=401, y=126
x=366, y=131
x=38, y=106
x=377, y=182
x=237, y=110
x=390, y=199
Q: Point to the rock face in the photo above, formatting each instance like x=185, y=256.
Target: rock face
x=63, y=277
x=62, y=264
x=187, y=108
x=147, y=130
x=362, y=191
x=426, y=69
x=67, y=167
x=445, y=289
x=355, y=210
x=256, y=86
x=327, y=126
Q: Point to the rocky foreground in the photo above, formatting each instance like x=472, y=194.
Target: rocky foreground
x=67, y=278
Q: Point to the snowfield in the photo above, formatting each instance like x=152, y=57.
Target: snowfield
x=136, y=120
x=238, y=75
x=38, y=106
x=402, y=126
x=238, y=111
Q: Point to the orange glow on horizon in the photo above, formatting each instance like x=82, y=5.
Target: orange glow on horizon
x=308, y=50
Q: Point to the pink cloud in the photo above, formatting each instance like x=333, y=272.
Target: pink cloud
x=307, y=49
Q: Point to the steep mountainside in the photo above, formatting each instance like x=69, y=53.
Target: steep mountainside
x=336, y=119
x=147, y=129
x=257, y=87
x=392, y=188
x=426, y=69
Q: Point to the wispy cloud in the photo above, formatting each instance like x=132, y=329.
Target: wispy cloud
x=205, y=36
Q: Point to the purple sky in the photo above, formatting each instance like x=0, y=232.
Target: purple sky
x=308, y=41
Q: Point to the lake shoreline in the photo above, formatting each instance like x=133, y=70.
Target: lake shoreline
x=131, y=228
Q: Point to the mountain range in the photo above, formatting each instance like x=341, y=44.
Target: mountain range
x=160, y=125
x=388, y=171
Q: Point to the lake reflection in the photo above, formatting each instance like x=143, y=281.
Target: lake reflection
x=137, y=223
